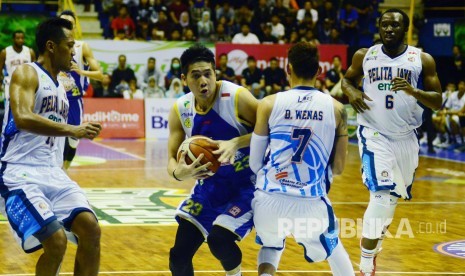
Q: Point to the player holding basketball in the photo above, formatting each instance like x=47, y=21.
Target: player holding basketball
x=12, y=57
x=218, y=209
x=42, y=204
x=76, y=81
x=306, y=132
x=398, y=81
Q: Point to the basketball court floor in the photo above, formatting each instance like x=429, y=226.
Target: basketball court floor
x=135, y=199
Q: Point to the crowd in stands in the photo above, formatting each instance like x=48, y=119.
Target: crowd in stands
x=241, y=21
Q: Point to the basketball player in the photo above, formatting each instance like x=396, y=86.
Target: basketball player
x=76, y=81
x=218, y=210
x=306, y=133
x=389, y=110
x=42, y=204
x=13, y=56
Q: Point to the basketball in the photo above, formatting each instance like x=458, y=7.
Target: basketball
x=196, y=145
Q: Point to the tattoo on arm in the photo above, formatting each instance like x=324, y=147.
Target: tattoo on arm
x=343, y=123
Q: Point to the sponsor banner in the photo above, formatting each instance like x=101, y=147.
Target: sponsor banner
x=138, y=52
x=156, y=117
x=238, y=53
x=120, y=118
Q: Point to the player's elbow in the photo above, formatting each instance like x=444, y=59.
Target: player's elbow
x=22, y=121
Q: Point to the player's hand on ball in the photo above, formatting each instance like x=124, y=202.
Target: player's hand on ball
x=357, y=100
x=227, y=151
x=194, y=170
x=402, y=84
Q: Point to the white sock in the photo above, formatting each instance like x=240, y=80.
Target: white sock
x=237, y=274
x=234, y=273
x=265, y=274
x=366, y=260
x=339, y=262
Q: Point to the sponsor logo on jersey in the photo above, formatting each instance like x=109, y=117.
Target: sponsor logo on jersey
x=281, y=175
x=188, y=123
x=187, y=104
x=304, y=99
x=235, y=211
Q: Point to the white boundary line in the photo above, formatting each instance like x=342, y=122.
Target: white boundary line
x=117, y=150
x=252, y=271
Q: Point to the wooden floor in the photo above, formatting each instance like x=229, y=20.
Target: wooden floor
x=127, y=183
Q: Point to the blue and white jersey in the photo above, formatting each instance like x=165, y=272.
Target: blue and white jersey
x=395, y=114
x=22, y=147
x=302, y=129
x=75, y=85
x=220, y=122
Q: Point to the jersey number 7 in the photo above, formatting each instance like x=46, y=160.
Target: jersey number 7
x=303, y=134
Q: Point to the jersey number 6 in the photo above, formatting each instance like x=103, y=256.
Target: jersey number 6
x=389, y=101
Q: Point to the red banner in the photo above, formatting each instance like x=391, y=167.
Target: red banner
x=238, y=53
x=119, y=118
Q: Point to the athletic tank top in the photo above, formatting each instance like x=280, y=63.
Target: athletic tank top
x=13, y=60
x=22, y=147
x=302, y=129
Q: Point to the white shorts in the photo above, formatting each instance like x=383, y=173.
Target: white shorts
x=311, y=221
x=33, y=197
x=388, y=164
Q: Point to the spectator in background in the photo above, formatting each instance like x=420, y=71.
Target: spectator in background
x=176, y=9
x=133, y=92
x=458, y=69
x=227, y=12
x=197, y=9
x=120, y=35
x=253, y=79
x=123, y=22
x=307, y=12
x=348, y=18
x=267, y=37
x=176, y=90
x=324, y=31
x=205, y=28
x=174, y=72
x=153, y=90
x=143, y=29
x=146, y=11
x=334, y=77
x=245, y=36
x=242, y=16
x=275, y=77
x=163, y=25
x=310, y=37
x=184, y=20
x=319, y=85
x=224, y=72
x=176, y=35
x=121, y=75
x=293, y=37
x=188, y=35
x=363, y=8
x=221, y=35
x=150, y=70
x=280, y=10
x=104, y=89
x=261, y=15
x=277, y=29
x=335, y=37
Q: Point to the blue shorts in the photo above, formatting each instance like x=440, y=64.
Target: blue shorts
x=76, y=112
x=213, y=203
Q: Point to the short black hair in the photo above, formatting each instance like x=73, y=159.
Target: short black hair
x=304, y=58
x=196, y=53
x=223, y=55
x=405, y=18
x=51, y=29
x=17, y=32
x=273, y=59
x=68, y=12
x=251, y=58
x=151, y=58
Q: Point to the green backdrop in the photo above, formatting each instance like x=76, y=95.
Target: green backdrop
x=11, y=23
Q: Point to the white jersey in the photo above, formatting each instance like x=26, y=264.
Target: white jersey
x=12, y=61
x=454, y=102
x=22, y=147
x=302, y=129
x=395, y=114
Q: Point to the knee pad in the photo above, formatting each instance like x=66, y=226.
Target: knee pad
x=270, y=255
x=379, y=213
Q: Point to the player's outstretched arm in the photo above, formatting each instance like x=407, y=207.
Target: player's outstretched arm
x=181, y=171
x=432, y=95
x=246, y=113
x=94, y=71
x=341, y=140
x=260, y=136
x=351, y=80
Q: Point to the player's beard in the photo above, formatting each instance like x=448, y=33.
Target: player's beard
x=394, y=45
